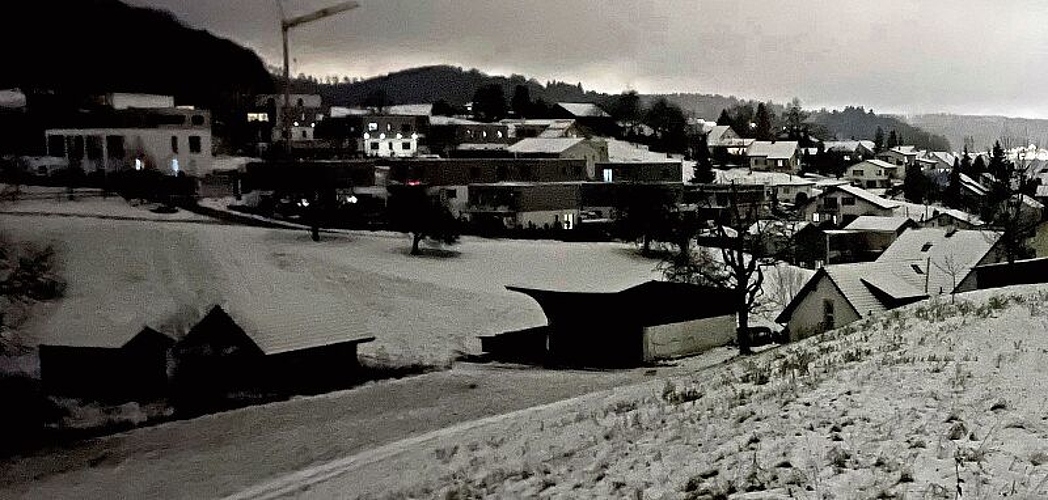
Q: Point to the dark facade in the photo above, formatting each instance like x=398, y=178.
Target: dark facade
x=461, y=172
x=308, y=175
x=136, y=371
x=640, y=172
x=607, y=329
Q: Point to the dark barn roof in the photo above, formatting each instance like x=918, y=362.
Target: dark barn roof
x=648, y=304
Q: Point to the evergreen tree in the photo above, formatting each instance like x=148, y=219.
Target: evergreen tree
x=489, y=103
x=703, y=166
x=763, y=118
x=725, y=118
x=521, y=101
x=893, y=140
x=412, y=210
x=999, y=164
x=878, y=140
x=978, y=167
x=952, y=196
x=916, y=187
x=627, y=108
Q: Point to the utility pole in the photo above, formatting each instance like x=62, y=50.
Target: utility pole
x=285, y=26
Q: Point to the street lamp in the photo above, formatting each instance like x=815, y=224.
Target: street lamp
x=285, y=26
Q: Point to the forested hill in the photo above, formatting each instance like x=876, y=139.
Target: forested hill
x=432, y=83
x=982, y=131
x=862, y=124
x=94, y=46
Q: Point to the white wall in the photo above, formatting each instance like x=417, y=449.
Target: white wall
x=124, y=101
x=807, y=317
x=394, y=146
x=152, y=145
x=688, y=337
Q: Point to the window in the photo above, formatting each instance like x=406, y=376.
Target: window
x=194, y=144
x=174, y=144
x=828, y=316
x=926, y=247
x=848, y=201
x=498, y=134
x=780, y=163
x=305, y=134
x=372, y=126
x=374, y=145
x=830, y=202
x=389, y=127
x=917, y=269
x=197, y=120
x=857, y=172
x=257, y=117
x=406, y=145
x=607, y=175
x=299, y=102
x=451, y=194
x=56, y=145
x=94, y=147
x=115, y=146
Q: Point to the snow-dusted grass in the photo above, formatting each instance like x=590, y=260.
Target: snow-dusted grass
x=916, y=403
x=126, y=274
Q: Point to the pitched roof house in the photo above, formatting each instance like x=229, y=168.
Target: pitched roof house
x=842, y=203
x=919, y=264
x=773, y=155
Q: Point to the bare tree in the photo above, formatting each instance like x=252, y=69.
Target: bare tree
x=783, y=283
x=953, y=268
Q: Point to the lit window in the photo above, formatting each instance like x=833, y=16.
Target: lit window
x=372, y=126
x=174, y=165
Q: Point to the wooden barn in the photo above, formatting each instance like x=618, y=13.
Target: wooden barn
x=135, y=371
x=652, y=321
x=222, y=356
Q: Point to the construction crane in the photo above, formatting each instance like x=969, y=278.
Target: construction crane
x=285, y=26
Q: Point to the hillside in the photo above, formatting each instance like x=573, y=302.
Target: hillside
x=935, y=400
x=452, y=84
x=983, y=130
x=858, y=123
x=92, y=46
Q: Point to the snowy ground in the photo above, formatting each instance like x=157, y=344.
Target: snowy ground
x=124, y=274
x=936, y=400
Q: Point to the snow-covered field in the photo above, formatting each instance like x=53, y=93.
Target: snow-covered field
x=935, y=400
x=124, y=274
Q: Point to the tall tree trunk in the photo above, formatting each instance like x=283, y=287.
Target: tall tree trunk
x=416, y=238
x=645, y=248
x=744, y=324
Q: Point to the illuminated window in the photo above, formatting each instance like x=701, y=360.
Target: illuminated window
x=372, y=126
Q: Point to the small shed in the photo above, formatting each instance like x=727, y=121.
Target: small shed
x=219, y=356
x=135, y=371
x=652, y=321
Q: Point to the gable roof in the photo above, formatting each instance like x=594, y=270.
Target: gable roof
x=863, y=195
x=867, y=287
x=451, y=120
x=422, y=109
x=847, y=146
x=717, y=133
x=877, y=163
x=940, y=253
x=584, y=109
x=648, y=304
x=875, y=223
x=773, y=150
x=551, y=145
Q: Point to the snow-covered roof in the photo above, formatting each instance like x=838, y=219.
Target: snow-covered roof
x=942, y=249
x=544, y=145
x=972, y=185
x=717, y=133
x=847, y=146
x=422, y=109
x=943, y=156
x=877, y=163
x=905, y=150
x=584, y=109
x=875, y=223
x=773, y=150
x=864, y=195
x=557, y=129
x=342, y=111
x=450, y=120
x=482, y=146
x=12, y=98
x=747, y=176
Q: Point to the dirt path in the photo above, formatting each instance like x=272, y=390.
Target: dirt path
x=222, y=454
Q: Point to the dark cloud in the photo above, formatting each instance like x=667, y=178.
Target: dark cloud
x=896, y=55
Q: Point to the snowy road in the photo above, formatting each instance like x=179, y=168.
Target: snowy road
x=226, y=453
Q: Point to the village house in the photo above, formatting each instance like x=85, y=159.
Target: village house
x=305, y=112
x=524, y=205
x=952, y=219
x=523, y=128
x=449, y=134
x=669, y=171
x=902, y=156
x=850, y=151
x=779, y=156
x=841, y=204
x=873, y=174
x=642, y=324
x=879, y=233
x=921, y=263
x=592, y=151
x=170, y=140
x=449, y=178
x=796, y=191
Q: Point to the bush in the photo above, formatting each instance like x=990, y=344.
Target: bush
x=26, y=415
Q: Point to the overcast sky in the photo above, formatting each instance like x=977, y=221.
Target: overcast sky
x=962, y=56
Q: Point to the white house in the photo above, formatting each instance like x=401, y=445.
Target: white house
x=903, y=156
x=850, y=150
x=873, y=174
x=593, y=151
x=171, y=140
x=842, y=203
x=773, y=155
x=920, y=264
